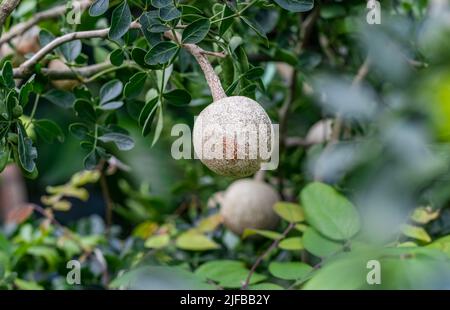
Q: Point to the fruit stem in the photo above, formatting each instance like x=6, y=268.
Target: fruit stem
x=201, y=57
x=211, y=76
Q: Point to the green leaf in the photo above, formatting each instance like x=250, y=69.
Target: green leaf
x=254, y=73
x=4, y=156
x=99, y=7
x=227, y=273
x=138, y=55
x=178, y=97
x=11, y=103
x=135, y=85
x=120, y=21
x=48, y=130
x=289, y=270
x=296, y=5
x=161, y=3
x=159, y=126
x=112, y=105
x=190, y=13
x=123, y=142
x=91, y=160
x=290, y=212
x=192, y=241
x=291, y=244
x=79, y=130
x=424, y=215
x=332, y=11
x=265, y=286
x=8, y=75
x=117, y=57
x=160, y=278
x=84, y=110
x=60, y=98
x=318, y=245
x=255, y=27
x=346, y=273
x=329, y=212
x=152, y=27
x=265, y=233
x=25, y=91
x=161, y=53
x=27, y=153
x=27, y=285
x=45, y=37
x=157, y=242
x=416, y=232
x=196, y=31
x=110, y=91
x=169, y=13
x=147, y=116
x=227, y=21
x=71, y=50
x=442, y=244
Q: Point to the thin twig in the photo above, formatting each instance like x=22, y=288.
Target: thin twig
x=27, y=67
x=6, y=8
x=265, y=253
x=51, y=13
x=83, y=74
x=200, y=55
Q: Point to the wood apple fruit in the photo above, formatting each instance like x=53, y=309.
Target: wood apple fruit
x=248, y=203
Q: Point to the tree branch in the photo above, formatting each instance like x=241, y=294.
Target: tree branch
x=51, y=13
x=6, y=8
x=265, y=253
x=199, y=54
x=27, y=67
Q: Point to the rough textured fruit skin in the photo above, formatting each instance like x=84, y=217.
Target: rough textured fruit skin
x=68, y=85
x=237, y=113
x=248, y=203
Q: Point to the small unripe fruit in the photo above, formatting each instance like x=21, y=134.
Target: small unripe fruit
x=67, y=85
x=17, y=111
x=232, y=136
x=248, y=203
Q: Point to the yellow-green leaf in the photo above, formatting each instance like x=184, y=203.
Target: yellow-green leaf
x=290, y=212
x=145, y=229
x=265, y=233
x=291, y=244
x=85, y=177
x=289, y=270
x=442, y=244
x=62, y=205
x=210, y=223
x=424, y=215
x=301, y=227
x=192, y=241
x=157, y=242
x=416, y=233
